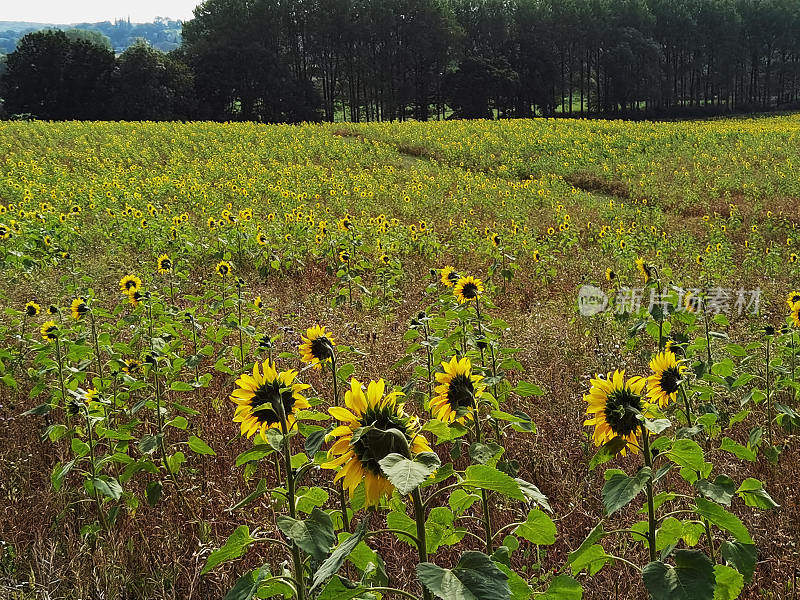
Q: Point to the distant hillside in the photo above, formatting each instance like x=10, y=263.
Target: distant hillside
x=163, y=34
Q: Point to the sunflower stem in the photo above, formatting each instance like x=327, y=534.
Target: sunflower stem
x=487, y=517
x=651, y=511
x=100, y=514
x=422, y=544
x=687, y=405
x=769, y=400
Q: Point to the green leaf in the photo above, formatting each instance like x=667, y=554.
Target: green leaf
x=743, y=452
x=407, y=474
x=153, y=492
x=538, y=528
x=753, y=493
x=533, y=494
x=563, y=587
x=526, y=389
x=334, y=562
x=723, y=519
x=439, y=530
x=314, y=535
x=721, y=491
x=311, y=497
x=741, y=556
x=335, y=589
x=592, y=558
x=234, y=547
x=687, y=453
x=247, y=585
x=108, y=486
x=520, y=590
x=594, y=536
x=692, y=577
x=402, y=522
x=257, y=452
x=485, y=477
x=199, y=446
x=668, y=534
x=460, y=501
x=485, y=453
x=261, y=489
x=729, y=583
x=620, y=489
x=475, y=577
x=607, y=451
x=79, y=447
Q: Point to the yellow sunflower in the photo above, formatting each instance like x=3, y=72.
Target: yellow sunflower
x=662, y=385
x=448, y=276
x=78, y=308
x=316, y=347
x=164, y=264
x=795, y=314
x=377, y=419
x=223, y=268
x=129, y=284
x=458, y=391
x=610, y=275
x=467, y=289
x=49, y=331
x=32, y=309
x=613, y=408
x=256, y=396
x=792, y=299
x=644, y=269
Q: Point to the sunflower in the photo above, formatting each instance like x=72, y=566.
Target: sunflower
x=375, y=421
x=223, y=268
x=32, y=309
x=164, y=264
x=691, y=302
x=467, y=288
x=614, y=406
x=644, y=269
x=448, y=276
x=255, y=397
x=261, y=238
x=129, y=284
x=131, y=366
x=662, y=385
x=316, y=347
x=78, y=308
x=344, y=256
x=49, y=331
x=458, y=391
x=610, y=275
x=795, y=314
x=792, y=299
x=257, y=302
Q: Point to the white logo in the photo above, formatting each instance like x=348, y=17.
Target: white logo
x=591, y=300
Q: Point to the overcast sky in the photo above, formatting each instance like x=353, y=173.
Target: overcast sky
x=79, y=11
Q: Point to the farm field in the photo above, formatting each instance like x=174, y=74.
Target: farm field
x=145, y=268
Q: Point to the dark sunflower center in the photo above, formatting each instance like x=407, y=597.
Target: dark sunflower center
x=321, y=348
x=30, y=311
x=670, y=379
x=266, y=397
x=452, y=276
x=379, y=437
x=621, y=410
x=795, y=298
x=469, y=291
x=130, y=284
x=81, y=308
x=460, y=392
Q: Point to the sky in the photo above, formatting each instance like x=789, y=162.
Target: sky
x=81, y=11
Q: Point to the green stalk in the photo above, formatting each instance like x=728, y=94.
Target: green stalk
x=487, y=517
x=769, y=400
x=342, y=497
x=422, y=544
x=651, y=511
x=688, y=407
x=100, y=513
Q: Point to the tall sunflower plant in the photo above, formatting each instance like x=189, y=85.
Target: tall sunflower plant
x=692, y=539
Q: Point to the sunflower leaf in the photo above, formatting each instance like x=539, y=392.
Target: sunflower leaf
x=538, y=528
x=314, y=535
x=234, y=547
x=607, y=451
x=407, y=474
x=692, y=577
x=334, y=562
x=485, y=477
x=620, y=489
x=753, y=493
x=741, y=556
x=475, y=577
x=723, y=519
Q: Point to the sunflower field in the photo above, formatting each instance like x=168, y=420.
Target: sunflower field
x=467, y=360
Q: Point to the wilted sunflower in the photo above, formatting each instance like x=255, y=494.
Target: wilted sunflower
x=615, y=405
x=129, y=284
x=32, y=309
x=644, y=269
x=458, y=391
x=467, y=289
x=663, y=384
x=377, y=424
x=448, y=276
x=164, y=264
x=78, y=308
x=223, y=268
x=316, y=347
x=257, y=395
x=49, y=331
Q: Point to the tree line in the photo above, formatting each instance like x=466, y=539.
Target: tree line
x=296, y=60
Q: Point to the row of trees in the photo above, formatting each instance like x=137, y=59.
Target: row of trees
x=289, y=60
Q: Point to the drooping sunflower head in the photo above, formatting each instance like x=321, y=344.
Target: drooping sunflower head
x=32, y=309
x=663, y=384
x=458, y=391
x=644, y=269
x=614, y=406
x=448, y=276
x=316, y=346
x=262, y=396
x=223, y=268
x=372, y=426
x=467, y=289
x=164, y=264
x=49, y=331
x=78, y=308
x=129, y=284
